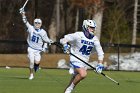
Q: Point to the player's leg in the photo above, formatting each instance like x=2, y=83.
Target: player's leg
x=31, y=62
x=37, y=60
x=36, y=66
x=68, y=88
x=31, y=71
x=80, y=73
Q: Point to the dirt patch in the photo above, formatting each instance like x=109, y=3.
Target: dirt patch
x=48, y=60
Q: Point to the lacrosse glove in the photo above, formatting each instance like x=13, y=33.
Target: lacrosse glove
x=51, y=42
x=21, y=10
x=66, y=48
x=99, y=68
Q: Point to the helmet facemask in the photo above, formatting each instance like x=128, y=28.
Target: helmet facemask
x=91, y=30
x=37, y=23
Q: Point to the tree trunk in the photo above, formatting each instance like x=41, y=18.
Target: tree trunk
x=54, y=28
x=77, y=20
x=98, y=18
x=58, y=16
x=135, y=25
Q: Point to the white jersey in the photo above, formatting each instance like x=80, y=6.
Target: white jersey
x=82, y=46
x=36, y=37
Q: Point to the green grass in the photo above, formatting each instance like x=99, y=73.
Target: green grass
x=15, y=80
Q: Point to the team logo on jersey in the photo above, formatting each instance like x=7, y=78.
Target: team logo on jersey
x=87, y=42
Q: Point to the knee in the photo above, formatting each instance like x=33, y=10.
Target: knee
x=83, y=75
x=31, y=65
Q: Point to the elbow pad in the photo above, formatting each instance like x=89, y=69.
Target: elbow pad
x=24, y=19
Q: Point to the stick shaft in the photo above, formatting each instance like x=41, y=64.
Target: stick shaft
x=25, y=3
x=112, y=79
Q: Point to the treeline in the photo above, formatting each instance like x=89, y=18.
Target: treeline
x=116, y=25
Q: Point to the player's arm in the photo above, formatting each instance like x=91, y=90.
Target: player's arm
x=45, y=47
x=100, y=54
x=24, y=18
x=99, y=51
x=46, y=39
x=67, y=39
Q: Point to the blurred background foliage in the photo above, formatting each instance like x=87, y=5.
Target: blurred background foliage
x=61, y=17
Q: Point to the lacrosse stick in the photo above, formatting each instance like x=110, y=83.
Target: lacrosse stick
x=61, y=46
x=22, y=8
x=25, y=4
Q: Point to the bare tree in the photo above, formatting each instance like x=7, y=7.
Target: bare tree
x=134, y=35
x=98, y=16
x=118, y=22
x=93, y=10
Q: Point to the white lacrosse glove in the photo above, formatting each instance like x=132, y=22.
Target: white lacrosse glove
x=21, y=10
x=51, y=41
x=99, y=68
x=66, y=48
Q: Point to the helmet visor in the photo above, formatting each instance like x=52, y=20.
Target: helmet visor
x=37, y=23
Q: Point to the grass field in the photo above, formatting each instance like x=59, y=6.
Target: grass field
x=15, y=80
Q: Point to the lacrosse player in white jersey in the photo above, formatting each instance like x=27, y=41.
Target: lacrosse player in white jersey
x=82, y=44
x=36, y=38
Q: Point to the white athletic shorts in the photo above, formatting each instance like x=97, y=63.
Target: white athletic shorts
x=34, y=55
x=77, y=64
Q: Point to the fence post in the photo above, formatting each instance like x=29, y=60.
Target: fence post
x=118, y=57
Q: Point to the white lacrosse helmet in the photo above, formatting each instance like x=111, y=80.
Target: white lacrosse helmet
x=37, y=23
x=91, y=24
x=37, y=20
